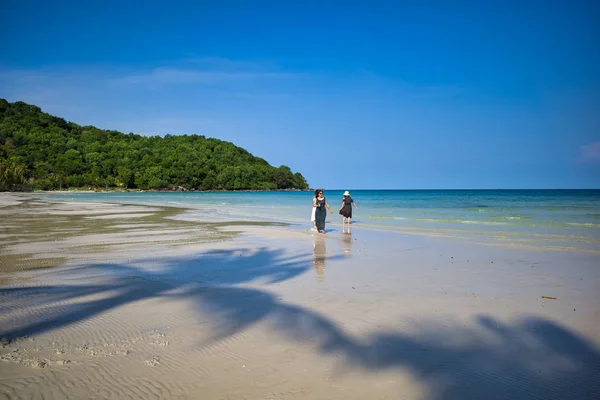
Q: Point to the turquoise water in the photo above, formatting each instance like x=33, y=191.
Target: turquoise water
x=565, y=215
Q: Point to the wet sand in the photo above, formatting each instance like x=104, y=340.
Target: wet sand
x=112, y=301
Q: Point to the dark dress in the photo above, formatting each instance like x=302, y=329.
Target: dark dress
x=320, y=214
x=346, y=210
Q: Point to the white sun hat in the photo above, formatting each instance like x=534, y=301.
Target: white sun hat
x=346, y=193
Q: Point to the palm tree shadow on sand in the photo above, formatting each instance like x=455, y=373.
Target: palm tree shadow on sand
x=529, y=358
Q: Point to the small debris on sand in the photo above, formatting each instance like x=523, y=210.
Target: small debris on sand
x=153, y=362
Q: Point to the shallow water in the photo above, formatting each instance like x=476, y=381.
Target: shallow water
x=568, y=218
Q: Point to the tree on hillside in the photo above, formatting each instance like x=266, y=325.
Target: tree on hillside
x=46, y=152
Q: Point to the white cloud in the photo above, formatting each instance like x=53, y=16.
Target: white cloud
x=165, y=76
x=590, y=152
x=104, y=93
x=206, y=70
x=194, y=71
x=197, y=95
x=226, y=64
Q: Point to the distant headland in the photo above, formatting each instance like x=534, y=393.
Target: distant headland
x=39, y=151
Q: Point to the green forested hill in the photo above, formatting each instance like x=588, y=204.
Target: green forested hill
x=38, y=150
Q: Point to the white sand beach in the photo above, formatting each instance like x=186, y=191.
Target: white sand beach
x=110, y=301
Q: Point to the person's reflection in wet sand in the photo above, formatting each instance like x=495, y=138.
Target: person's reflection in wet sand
x=346, y=229
x=347, y=242
x=319, y=255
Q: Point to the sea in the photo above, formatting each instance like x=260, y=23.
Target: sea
x=555, y=219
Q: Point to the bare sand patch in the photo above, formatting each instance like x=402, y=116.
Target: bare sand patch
x=9, y=199
x=120, y=216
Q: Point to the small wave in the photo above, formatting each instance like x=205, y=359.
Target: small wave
x=466, y=221
x=458, y=221
x=479, y=209
x=380, y=217
x=509, y=217
x=584, y=224
x=437, y=220
x=387, y=217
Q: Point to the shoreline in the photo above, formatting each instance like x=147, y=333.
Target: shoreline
x=165, y=190
x=499, y=236
x=144, y=304
x=116, y=190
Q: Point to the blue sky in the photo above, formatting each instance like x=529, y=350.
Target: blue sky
x=413, y=94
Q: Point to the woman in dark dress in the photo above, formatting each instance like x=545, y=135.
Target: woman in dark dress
x=346, y=208
x=312, y=217
x=320, y=203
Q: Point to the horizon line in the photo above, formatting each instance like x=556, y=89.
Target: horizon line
x=413, y=189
